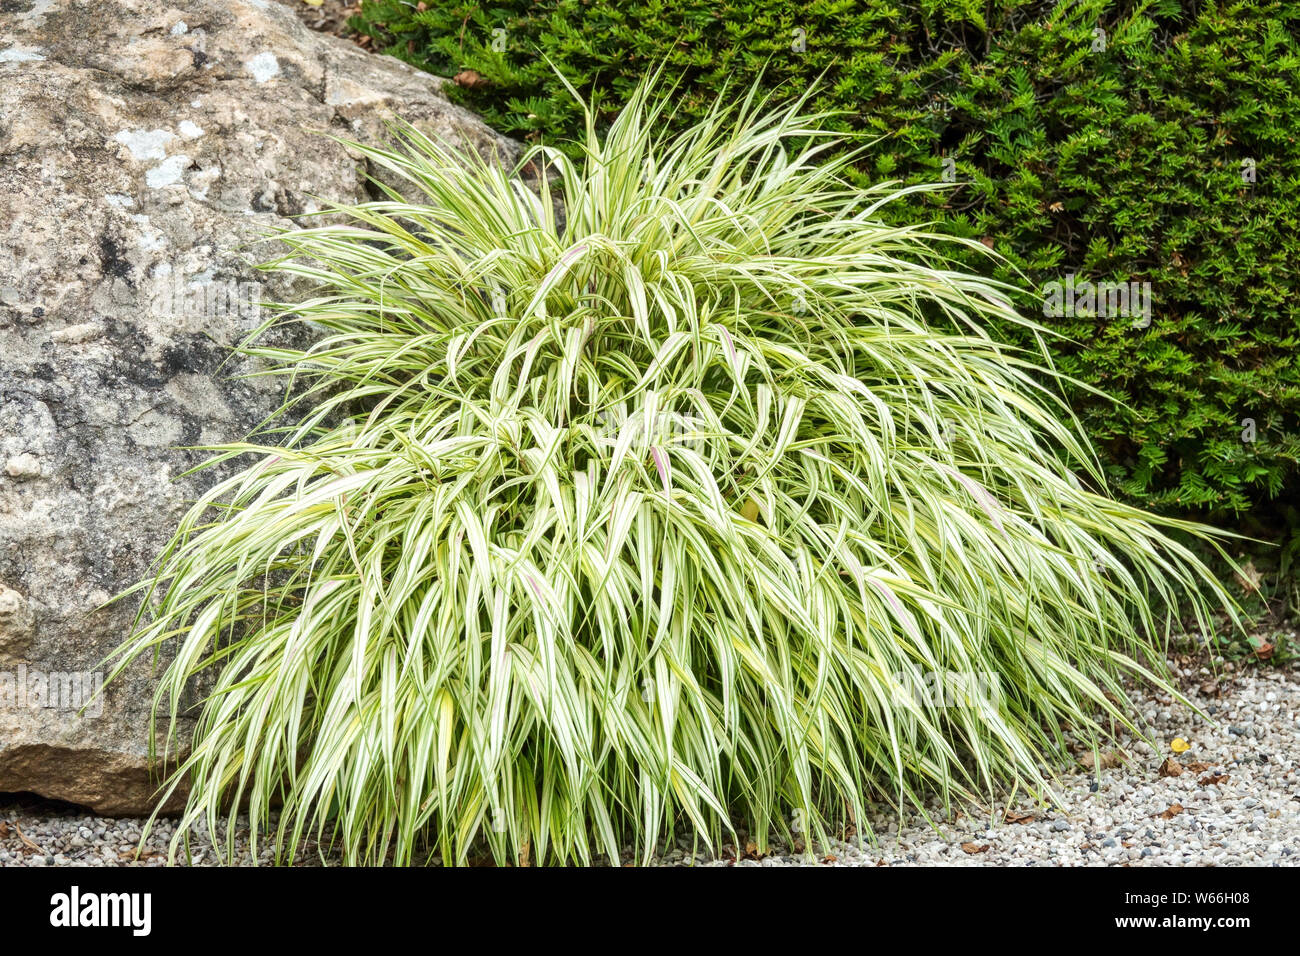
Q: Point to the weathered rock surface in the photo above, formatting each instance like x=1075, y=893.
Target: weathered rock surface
x=143, y=146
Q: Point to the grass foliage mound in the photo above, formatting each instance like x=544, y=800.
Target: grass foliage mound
x=678, y=514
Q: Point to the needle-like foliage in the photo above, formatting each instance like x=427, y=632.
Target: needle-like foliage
x=711, y=506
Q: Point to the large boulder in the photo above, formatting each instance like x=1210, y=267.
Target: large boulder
x=143, y=147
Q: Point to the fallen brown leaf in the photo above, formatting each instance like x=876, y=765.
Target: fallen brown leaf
x=1248, y=576
x=1020, y=817
x=23, y=836
x=469, y=79
x=1172, y=812
x=1170, y=768
x=1106, y=761
x=1211, y=779
x=1197, y=767
x=973, y=848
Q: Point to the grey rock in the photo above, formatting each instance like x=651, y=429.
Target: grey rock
x=140, y=150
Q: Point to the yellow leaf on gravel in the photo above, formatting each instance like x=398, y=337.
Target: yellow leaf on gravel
x=1179, y=745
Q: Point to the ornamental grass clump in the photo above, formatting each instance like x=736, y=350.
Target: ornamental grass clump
x=709, y=508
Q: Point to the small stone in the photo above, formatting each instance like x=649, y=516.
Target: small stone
x=23, y=466
x=77, y=334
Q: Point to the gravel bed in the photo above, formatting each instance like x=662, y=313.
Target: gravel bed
x=1235, y=801
x=34, y=833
